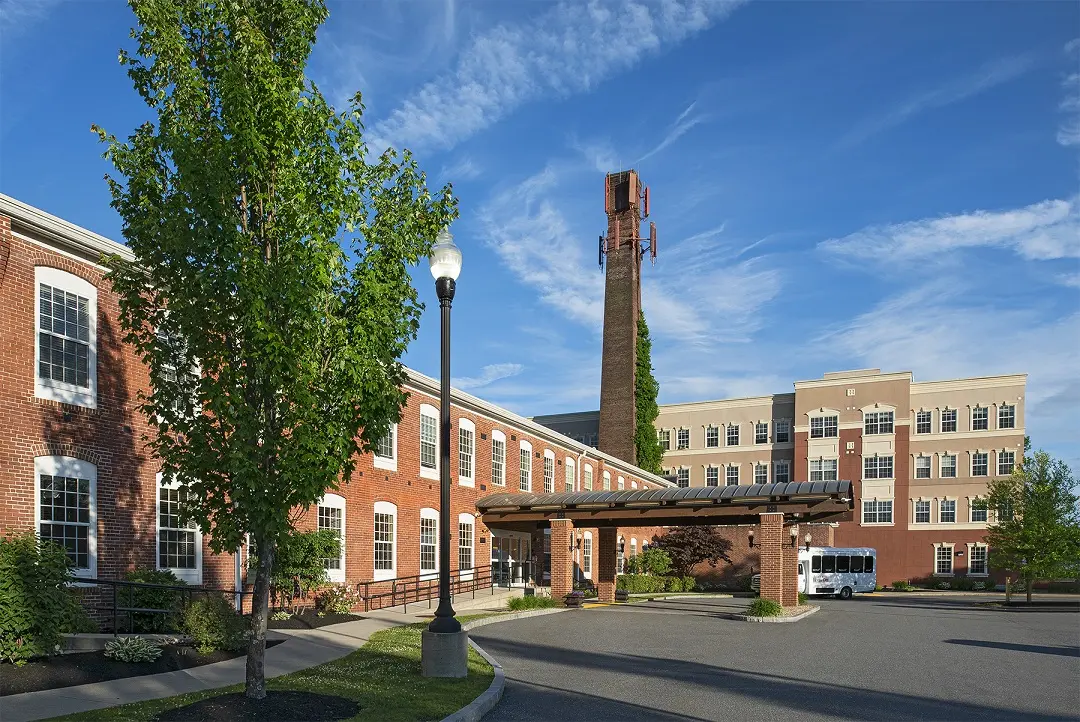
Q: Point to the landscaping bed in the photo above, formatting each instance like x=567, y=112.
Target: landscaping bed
x=68, y=670
x=310, y=620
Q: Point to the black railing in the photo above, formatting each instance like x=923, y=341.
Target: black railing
x=425, y=587
x=113, y=607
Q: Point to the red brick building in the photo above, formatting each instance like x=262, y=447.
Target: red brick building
x=73, y=466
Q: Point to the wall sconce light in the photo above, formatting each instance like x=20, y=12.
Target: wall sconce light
x=794, y=531
x=807, y=539
x=750, y=537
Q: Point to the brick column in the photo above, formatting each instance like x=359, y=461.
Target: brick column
x=790, y=591
x=605, y=566
x=770, y=540
x=562, y=559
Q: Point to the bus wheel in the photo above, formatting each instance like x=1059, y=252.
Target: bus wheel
x=845, y=593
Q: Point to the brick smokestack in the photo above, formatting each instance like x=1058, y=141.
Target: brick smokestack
x=622, y=302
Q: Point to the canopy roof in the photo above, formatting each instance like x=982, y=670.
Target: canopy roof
x=725, y=505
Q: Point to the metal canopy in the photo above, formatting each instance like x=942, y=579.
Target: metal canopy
x=725, y=505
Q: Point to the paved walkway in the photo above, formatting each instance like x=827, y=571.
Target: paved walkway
x=300, y=650
x=897, y=657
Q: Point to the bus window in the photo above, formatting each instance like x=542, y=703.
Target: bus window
x=815, y=564
x=801, y=572
x=828, y=565
x=842, y=564
x=856, y=565
x=869, y=565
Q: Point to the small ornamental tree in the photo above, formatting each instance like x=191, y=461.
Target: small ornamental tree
x=270, y=296
x=688, y=546
x=650, y=456
x=1036, y=532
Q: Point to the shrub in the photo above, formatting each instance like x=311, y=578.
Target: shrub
x=803, y=598
x=518, y=604
x=132, y=649
x=764, y=608
x=213, y=624
x=962, y=584
x=640, y=583
x=978, y=587
x=36, y=606
x=301, y=556
x=149, y=598
x=337, y=599
x=901, y=586
x=281, y=616
x=944, y=585
x=652, y=560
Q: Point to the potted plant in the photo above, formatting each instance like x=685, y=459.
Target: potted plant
x=574, y=598
x=621, y=595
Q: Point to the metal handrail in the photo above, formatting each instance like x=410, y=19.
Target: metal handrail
x=187, y=592
x=425, y=587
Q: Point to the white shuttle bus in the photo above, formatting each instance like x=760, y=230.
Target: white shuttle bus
x=837, y=570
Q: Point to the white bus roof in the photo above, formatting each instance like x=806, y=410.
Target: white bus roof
x=840, y=550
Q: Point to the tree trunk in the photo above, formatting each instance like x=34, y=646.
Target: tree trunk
x=1027, y=586
x=260, y=601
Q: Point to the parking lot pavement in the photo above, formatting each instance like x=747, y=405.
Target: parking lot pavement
x=940, y=658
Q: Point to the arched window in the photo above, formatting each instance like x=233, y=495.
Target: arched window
x=466, y=452
x=385, y=540
x=620, y=556
x=66, y=505
x=66, y=337
x=179, y=546
x=466, y=538
x=331, y=510
x=429, y=541
x=571, y=475
x=549, y=471
x=586, y=555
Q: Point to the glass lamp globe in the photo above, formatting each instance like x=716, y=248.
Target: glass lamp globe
x=445, y=257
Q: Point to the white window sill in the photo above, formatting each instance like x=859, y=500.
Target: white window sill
x=189, y=576
x=877, y=523
x=944, y=576
x=336, y=576
x=427, y=473
x=381, y=462
x=65, y=393
x=382, y=575
x=466, y=481
x=979, y=576
x=498, y=483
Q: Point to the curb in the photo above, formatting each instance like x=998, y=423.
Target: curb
x=490, y=697
x=777, y=620
x=647, y=597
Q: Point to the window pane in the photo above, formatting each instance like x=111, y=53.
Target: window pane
x=465, y=452
x=948, y=420
x=856, y=565
x=761, y=433
x=428, y=434
x=384, y=542
x=828, y=564
x=498, y=462
x=525, y=470
x=868, y=564
x=733, y=435
x=549, y=475
x=815, y=564
x=842, y=565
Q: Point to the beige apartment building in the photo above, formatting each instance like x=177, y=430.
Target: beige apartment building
x=920, y=456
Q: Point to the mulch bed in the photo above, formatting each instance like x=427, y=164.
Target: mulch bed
x=278, y=706
x=68, y=670
x=311, y=620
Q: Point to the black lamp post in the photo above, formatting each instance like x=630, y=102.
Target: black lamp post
x=445, y=266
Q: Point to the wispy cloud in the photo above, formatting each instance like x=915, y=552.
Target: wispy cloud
x=676, y=130
x=462, y=169
x=1069, y=130
x=17, y=16
x=598, y=153
x=488, y=374
x=568, y=49
x=1072, y=280
x=987, y=77
x=1041, y=231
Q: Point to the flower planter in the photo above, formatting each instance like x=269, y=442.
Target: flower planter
x=621, y=595
x=574, y=599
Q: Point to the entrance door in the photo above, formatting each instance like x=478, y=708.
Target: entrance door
x=803, y=581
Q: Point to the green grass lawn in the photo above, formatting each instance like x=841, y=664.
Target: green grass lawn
x=383, y=677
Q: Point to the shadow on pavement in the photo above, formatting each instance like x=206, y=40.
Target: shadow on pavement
x=532, y=701
x=1036, y=648
x=798, y=695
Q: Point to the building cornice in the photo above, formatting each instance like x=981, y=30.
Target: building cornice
x=976, y=382
x=64, y=234
x=721, y=404
x=567, y=417
x=848, y=380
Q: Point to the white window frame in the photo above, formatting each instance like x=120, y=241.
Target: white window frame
x=941, y=508
x=633, y=484
x=985, y=419
x=787, y=471
x=782, y=427
x=972, y=463
x=873, y=421
x=973, y=502
x=606, y=481
x=664, y=437
x=431, y=515
x=69, y=466
x=821, y=469
x=633, y=547
x=429, y=472
x=712, y=433
x=587, y=478
x=821, y=419
x=729, y=478
x=937, y=554
x=389, y=463
x=764, y=467
x=929, y=423
x=498, y=479
x=942, y=467
x=872, y=467
x=1012, y=464
x=52, y=389
x=622, y=483
x=586, y=555
x=955, y=420
x=679, y=443
x=681, y=473
x=524, y=470
x=757, y=429
x=467, y=427
x=923, y=463
x=728, y=433
x=549, y=466
x=878, y=512
x=336, y=501
x=972, y=546
x=466, y=519
x=190, y=576
x=570, y=476
x=385, y=507
x=915, y=511
x=714, y=472
x=1012, y=416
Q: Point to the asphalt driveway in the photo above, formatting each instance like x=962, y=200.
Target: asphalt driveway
x=907, y=658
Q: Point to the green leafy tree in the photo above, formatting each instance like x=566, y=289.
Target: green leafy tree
x=652, y=560
x=301, y=557
x=646, y=389
x=688, y=546
x=272, y=256
x=1037, y=527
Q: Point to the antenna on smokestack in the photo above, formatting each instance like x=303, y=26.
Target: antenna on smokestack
x=620, y=198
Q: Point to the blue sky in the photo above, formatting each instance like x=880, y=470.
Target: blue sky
x=836, y=185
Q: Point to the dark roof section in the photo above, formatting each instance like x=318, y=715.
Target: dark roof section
x=703, y=494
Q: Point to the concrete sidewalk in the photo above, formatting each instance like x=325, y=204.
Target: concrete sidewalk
x=301, y=649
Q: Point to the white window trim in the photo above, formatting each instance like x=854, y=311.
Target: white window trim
x=549, y=454
x=71, y=467
x=956, y=463
x=878, y=477
x=191, y=576
x=336, y=501
x=952, y=559
x=466, y=518
x=571, y=466
x=428, y=513
x=497, y=435
x=711, y=467
x=821, y=413
x=587, y=473
x=605, y=485
x=875, y=499
x=523, y=446
x=385, y=507
x=915, y=467
x=915, y=421
x=633, y=484
x=586, y=554
x=776, y=430
x=389, y=463
x=58, y=390
x=971, y=464
x=466, y=425
x=754, y=470
x=433, y=412
x=997, y=461
x=738, y=474
x=622, y=483
x=679, y=431
x=971, y=502
x=971, y=546
x=930, y=510
x=941, y=420
x=822, y=460
x=787, y=464
x=956, y=511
